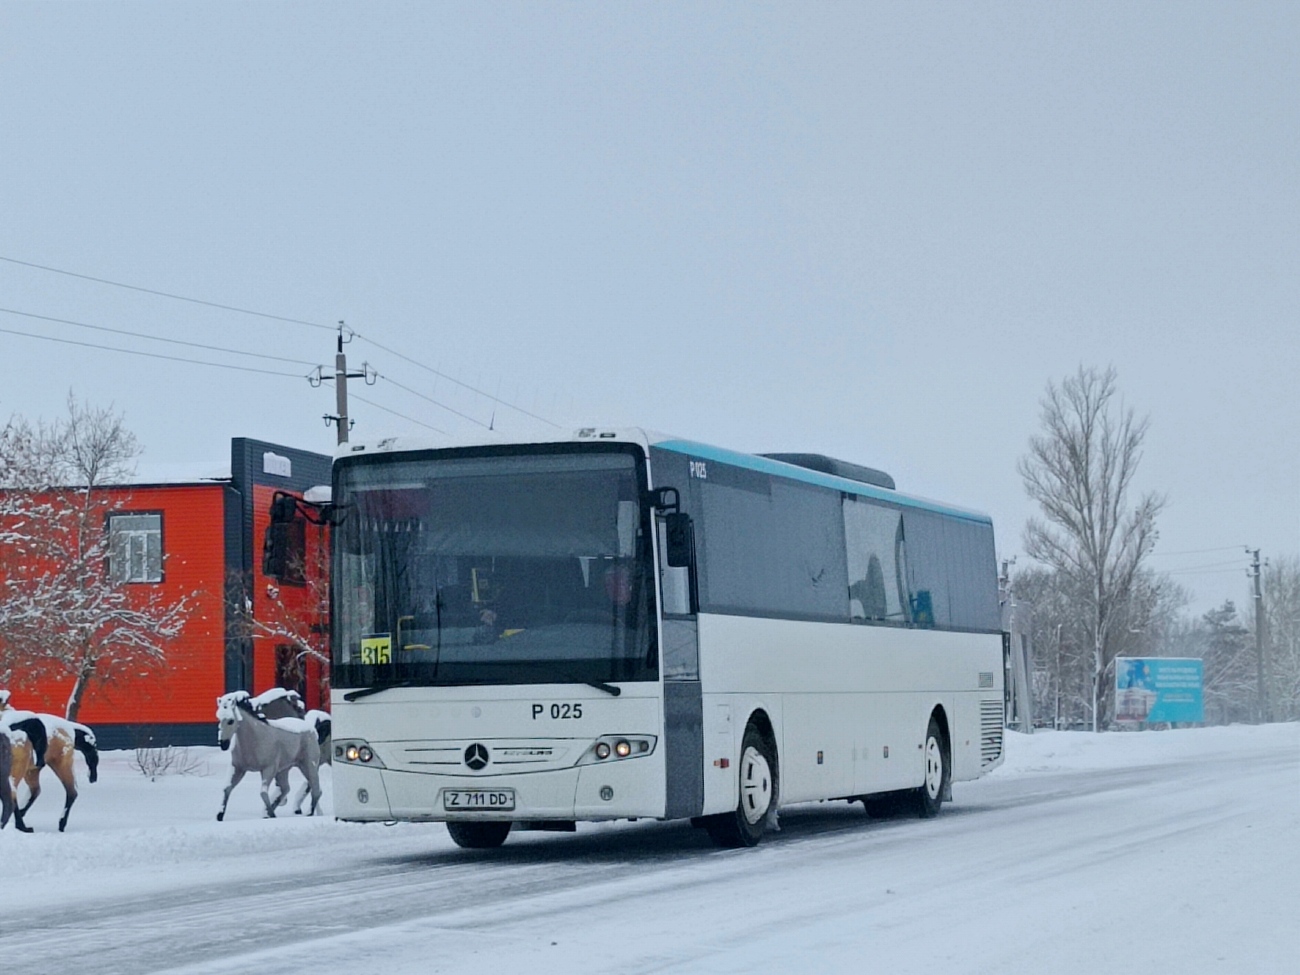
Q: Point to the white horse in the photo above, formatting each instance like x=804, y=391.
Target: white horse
x=269, y=747
x=321, y=723
x=283, y=702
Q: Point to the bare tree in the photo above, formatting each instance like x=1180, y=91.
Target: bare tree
x=1281, y=589
x=61, y=613
x=1080, y=470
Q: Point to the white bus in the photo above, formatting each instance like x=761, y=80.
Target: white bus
x=618, y=625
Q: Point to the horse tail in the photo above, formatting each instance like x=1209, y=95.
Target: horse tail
x=323, y=730
x=84, y=742
x=34, y=729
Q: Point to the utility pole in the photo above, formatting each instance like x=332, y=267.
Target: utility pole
x=1259, y=636
x=341, y=377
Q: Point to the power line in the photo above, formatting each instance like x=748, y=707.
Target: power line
x=154, y=338
x=151, y=355
x=452, y=379
x=1213, y=568
x=1197, y=551
x=429, y=399
x=412, y=419
x=166, y=294
x=284, y=318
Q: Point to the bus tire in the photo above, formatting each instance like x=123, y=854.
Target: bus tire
x=929, y=797
x=744, y=825
x=479, y=836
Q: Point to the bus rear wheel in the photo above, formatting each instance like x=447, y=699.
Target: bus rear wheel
x=479, y=836
x=929, y=798
x=744, y=825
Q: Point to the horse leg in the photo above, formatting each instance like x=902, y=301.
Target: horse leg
x=282, y=788
x=66, y=772
x=235, y=775
x=33, y=782
x=313, y=780
x=302, y=794
x=267, y=778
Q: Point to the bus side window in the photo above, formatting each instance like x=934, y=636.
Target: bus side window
x=871, y=533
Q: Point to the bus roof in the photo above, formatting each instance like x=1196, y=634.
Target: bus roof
x=767, y=465
x=646, y=439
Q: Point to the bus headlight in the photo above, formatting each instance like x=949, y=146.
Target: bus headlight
x=614, y=748
x=357, y=753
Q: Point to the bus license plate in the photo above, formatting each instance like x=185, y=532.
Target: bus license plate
x=471, y=799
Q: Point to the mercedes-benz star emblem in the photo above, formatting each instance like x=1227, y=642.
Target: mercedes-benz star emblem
x=476, y=756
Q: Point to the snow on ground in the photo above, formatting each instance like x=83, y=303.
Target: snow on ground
x=1168, y=851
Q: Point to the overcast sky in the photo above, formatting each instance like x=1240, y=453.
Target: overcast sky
x=870, y=230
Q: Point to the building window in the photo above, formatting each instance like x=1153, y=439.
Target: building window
x=135, y=547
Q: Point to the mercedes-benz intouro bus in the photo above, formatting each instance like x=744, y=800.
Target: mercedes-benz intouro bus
x=619, y=625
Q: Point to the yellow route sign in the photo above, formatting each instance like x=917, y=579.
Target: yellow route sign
x=377, y=649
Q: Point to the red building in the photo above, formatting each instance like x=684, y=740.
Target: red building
x=203, y=539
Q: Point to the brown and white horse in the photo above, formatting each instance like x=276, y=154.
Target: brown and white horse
x=63, y=740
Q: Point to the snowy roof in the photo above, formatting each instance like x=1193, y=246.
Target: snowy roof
x=180, y=472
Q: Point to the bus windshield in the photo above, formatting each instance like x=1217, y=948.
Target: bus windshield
x=487, y=567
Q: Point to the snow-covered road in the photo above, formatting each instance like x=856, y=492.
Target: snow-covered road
x=1171, y=851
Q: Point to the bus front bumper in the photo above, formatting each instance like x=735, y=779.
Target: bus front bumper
x=620, y=790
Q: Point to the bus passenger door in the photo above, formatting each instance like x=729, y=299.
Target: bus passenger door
x=679, y=661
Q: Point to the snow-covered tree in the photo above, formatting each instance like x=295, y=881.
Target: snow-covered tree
x=1227, y=653
x=1063, y=651
x=1281, y=590
x=61, y=613
x=1080, y=470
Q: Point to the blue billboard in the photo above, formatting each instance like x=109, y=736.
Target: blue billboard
x=1151, y=689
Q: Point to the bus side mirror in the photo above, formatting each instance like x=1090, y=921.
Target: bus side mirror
x=284, y=546
x=275, y=554
x=681, y=540
x=284, y=508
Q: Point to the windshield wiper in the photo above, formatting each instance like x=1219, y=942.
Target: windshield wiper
x=600, y=685
x=610, y=689
x=376, y=688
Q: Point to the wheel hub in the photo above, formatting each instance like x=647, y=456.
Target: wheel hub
x=933, y=768
x=755, y=785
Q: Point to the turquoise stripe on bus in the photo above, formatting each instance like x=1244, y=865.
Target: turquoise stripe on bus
x=765, y=466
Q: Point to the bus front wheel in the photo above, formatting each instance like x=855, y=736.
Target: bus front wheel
x=930, y=796
x=479, y=836
x=744, y=825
